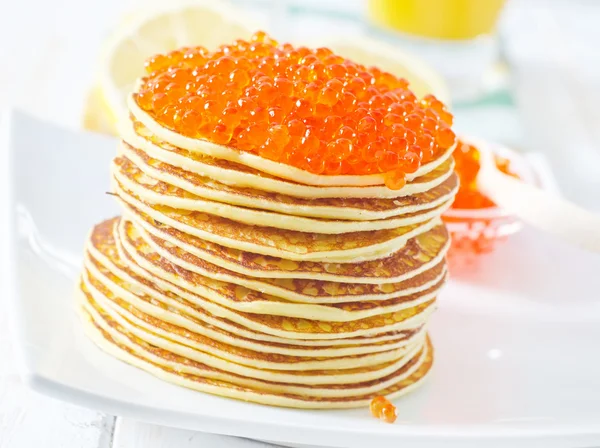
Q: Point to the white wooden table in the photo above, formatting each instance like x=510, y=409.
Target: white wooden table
x=47, y=55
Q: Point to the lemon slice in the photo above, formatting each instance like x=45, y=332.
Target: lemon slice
x=156, y=30
x=97, y=116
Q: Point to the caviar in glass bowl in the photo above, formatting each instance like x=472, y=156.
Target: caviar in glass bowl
x=477, y=225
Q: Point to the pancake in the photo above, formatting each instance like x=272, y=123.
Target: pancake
x=243, y=300
x=293, y=290
x=229, y=173
x=113, y=327
x=184, y=372
x=357, y=209
x=277, y=169
x=102, y=249
x=185, y=302
x=217, y=288
x=215, y=336
x=155, y=192
x=286, y=368
x=188, y=302
x=288, y=244
x=420, y=255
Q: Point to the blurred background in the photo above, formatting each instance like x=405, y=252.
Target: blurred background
x=525, y=73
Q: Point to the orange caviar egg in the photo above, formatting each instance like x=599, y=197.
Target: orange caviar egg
x=467, y=166
x=307, y=108
x=383, y=409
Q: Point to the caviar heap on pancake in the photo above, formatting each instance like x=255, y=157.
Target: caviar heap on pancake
x=310, y=109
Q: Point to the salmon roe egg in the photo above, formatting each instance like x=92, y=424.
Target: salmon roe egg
x=383, y=409
x=311, y=109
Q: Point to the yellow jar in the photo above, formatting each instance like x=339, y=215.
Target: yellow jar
x=442, y=19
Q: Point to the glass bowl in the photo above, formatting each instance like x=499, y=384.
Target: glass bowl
x=476, y=232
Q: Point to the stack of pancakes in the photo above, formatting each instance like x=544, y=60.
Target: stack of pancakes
x=249, y=279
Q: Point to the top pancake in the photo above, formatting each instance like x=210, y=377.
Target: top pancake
x=357, y=209
x=154, y=191
x=230, y=173
x=277, y=169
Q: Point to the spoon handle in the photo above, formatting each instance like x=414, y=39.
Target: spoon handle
x=538, y=208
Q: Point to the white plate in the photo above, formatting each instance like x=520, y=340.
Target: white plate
x=517, y=345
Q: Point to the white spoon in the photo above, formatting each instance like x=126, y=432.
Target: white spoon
x=537, y=207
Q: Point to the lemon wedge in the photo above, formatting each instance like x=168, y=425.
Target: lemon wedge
x=147, y=32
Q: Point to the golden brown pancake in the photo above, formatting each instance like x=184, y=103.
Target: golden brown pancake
x=155, y=192
x=189, y=373
x=299, y=291
x=165, y=300
x=217, y=353
x=418, y=264
x=113, y=330
x=288, y=244
x=298, y=328
x=127, y=304
x=278, y=169
x=243, y=299
x=230, y=173
x=356, y=209
x=187, y=303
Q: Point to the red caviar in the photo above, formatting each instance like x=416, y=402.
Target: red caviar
x=307, y=108
x=466, y=157
x=383, y=409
